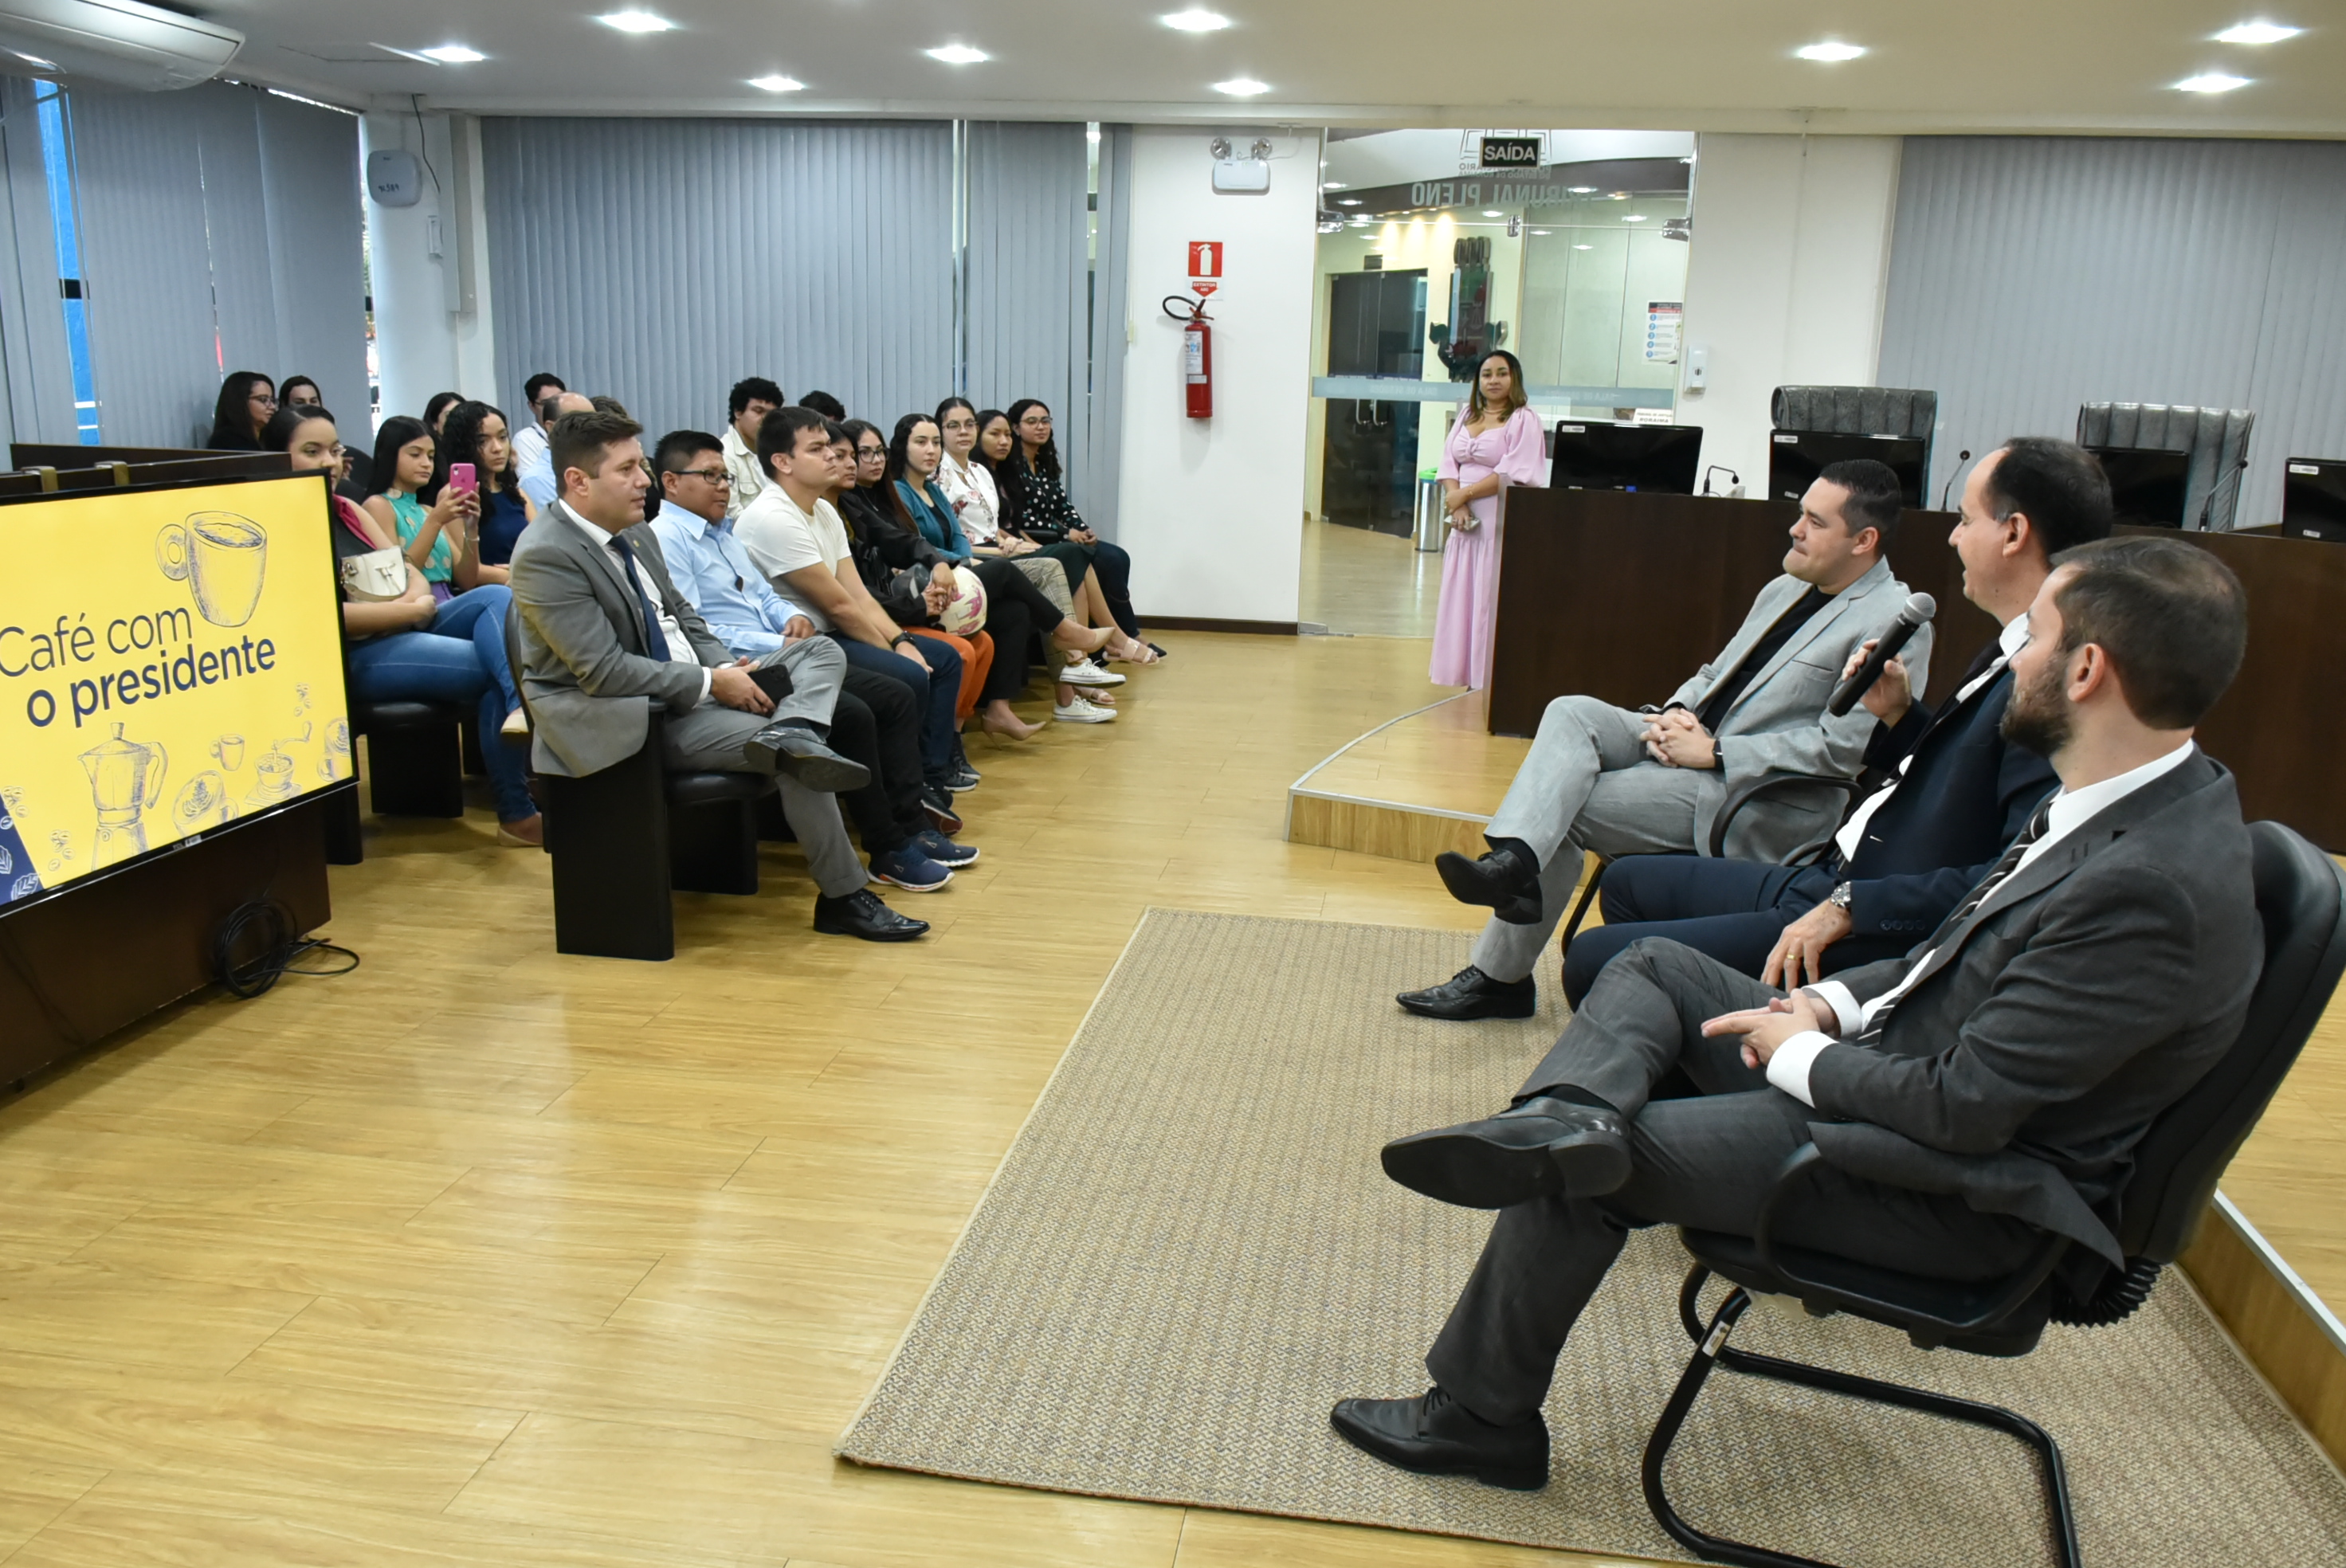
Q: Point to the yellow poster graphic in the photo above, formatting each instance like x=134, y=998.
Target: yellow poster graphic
x=170, y=661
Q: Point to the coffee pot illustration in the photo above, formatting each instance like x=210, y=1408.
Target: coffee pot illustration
x=125, y=777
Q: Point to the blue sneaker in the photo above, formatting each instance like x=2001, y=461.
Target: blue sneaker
x=911, y=869
x=942, y=850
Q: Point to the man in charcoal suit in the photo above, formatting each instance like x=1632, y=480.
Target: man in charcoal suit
x=604, y=635
x=1959, y=791
x=1985, y=1088
x=1620, y=783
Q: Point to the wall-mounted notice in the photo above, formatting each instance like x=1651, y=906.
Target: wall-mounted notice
x=1664, y=320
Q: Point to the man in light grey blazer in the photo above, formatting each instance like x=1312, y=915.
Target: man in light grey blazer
x=1602, y=777
x=604, y=635
x=1988, y=1088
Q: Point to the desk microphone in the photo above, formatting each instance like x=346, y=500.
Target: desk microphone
x=1918, y=609
x=1961, y=458
x=2207, y=507
x=1732, y=478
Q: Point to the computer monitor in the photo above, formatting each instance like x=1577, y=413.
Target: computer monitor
x=2313, y=499
x=2146, y=487
x=1795, y=458
x=1659, y=458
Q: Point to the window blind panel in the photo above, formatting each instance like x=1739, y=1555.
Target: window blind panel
x=659, y=261
x=1029, y=278
x=31, y=324
x=1110, y=309
x=2029, y=275
x=317, y=254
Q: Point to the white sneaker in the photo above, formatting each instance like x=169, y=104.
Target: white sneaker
x=1086, y=673
x=1082, y=712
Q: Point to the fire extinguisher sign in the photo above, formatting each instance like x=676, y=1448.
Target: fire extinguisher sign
x=1205, y=266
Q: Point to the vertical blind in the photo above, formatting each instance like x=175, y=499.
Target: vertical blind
x=2030, y=275
x=1029, y=278
x=660, y=261
x=221, y=231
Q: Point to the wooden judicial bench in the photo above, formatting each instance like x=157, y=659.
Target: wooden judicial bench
x=1621, y=597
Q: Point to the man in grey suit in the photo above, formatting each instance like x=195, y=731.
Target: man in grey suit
x=605, y=634
x=1988, y=1088
x=1620, y=783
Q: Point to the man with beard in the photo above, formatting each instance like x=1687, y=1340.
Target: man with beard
x=2007, y=1065
x=1959, y=791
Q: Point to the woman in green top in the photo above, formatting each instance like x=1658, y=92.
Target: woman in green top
x=442, y=541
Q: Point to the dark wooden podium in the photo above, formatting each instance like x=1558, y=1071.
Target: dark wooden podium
x=1621, y=597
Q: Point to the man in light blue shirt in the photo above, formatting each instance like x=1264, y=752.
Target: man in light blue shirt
x=534, y=469
x=874, y=722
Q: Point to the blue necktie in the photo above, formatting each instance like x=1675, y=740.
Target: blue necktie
x=655, y=641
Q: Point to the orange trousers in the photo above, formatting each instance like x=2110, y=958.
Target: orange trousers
x=977, y=658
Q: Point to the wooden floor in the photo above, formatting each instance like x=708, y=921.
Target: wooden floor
x=1356, y=583
x=484, y=1256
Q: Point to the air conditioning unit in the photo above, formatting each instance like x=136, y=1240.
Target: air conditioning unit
x=120, y=42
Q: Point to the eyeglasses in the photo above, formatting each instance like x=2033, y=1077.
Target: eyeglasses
x=264, y=400
x=1036, y=419
x=871, y=453
x=709, y=475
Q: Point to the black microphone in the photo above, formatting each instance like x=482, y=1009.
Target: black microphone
x=1961, y=458
x=1732, y=478
x=1919, y=610
x=2207, y=506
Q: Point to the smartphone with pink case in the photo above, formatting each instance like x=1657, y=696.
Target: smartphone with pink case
x=461, y=478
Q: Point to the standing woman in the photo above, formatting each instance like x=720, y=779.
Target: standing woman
x=247, y=400
x=1037, y=496
x=1495, y=442
x=414, y=647
x=441, y=541
x=476, y=433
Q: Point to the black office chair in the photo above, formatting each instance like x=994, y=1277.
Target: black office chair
x=2301, y=898
x=622, y=839
x=1740, y=797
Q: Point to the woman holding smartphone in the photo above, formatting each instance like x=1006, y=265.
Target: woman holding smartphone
x=476, y=433
x=443, y=540
x=1495, y=442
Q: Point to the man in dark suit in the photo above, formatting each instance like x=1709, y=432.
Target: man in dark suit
x=604, y=636
x=1988, y=1088
x=1959, y=790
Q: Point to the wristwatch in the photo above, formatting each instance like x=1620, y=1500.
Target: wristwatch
x=1841, y=896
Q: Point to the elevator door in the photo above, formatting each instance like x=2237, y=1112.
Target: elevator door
x=1376, y=327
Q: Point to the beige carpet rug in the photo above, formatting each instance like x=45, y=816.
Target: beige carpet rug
x=1190, y=1253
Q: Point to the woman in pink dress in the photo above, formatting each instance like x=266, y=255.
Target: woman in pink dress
x=1498, y=443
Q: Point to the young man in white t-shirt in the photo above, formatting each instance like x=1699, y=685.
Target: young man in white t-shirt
x=798, y=540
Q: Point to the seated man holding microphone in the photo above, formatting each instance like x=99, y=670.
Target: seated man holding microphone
x=1961, y=790
x=1602, y=777
x=1967, y=1099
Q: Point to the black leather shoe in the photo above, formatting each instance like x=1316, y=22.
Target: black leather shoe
x=860, y=913
x=794, y=750
x=1540, y=1148
x=1502, y=882
x=1470, y=993
x=1435, y=1435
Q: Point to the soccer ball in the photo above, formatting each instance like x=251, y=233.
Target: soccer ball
x=966, y=612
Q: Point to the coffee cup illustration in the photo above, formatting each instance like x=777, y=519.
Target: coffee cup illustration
x=222, y=557
x=228, y=751
x=272, y=779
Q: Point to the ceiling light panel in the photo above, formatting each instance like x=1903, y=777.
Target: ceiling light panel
x=958, y=55
x=778, y=84
x=2258, y=33
x=1830, y=52
x=1243, y=87
x=2210, y=82
x=637, y=21
x=452, y=54
x=1196, y=21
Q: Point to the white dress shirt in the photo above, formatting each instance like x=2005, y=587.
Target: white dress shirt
x=2068, y=810
x=680, y=647
x=2010, y=641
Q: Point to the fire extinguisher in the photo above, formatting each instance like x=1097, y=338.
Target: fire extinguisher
x=1196, y=352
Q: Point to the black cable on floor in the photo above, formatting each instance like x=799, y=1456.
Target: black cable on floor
x=258, y=944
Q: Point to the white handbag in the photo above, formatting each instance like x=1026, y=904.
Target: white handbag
x=375, y=577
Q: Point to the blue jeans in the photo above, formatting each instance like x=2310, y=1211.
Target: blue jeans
x=458, y=655
x=935, y=685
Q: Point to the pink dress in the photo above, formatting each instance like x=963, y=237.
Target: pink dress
x=1469, y=606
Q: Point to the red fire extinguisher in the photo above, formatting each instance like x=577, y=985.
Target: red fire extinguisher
x=1196, y=352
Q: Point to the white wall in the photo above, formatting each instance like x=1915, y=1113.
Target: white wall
x=1212, y=509
x=423, y=347
x=1786, y=278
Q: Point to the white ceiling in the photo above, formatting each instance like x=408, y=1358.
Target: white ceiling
x=1692, y=64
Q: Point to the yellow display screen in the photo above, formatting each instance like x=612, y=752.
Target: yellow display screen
x=170, y=663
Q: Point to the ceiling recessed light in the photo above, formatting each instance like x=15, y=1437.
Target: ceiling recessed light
x=2258, y=33
x=1830, y=52
x=1541, y=232
x=637, y=21
x=1584, y=248
x=1493, y=212
x=1581, y=189
x=1333, y=185
x=1196, y=21
x=1633, y=217
x=777, y=84
x=452, y=54
x=1348, y=201
x=958, y=55
x=1243, y=87
x=2210, y=82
